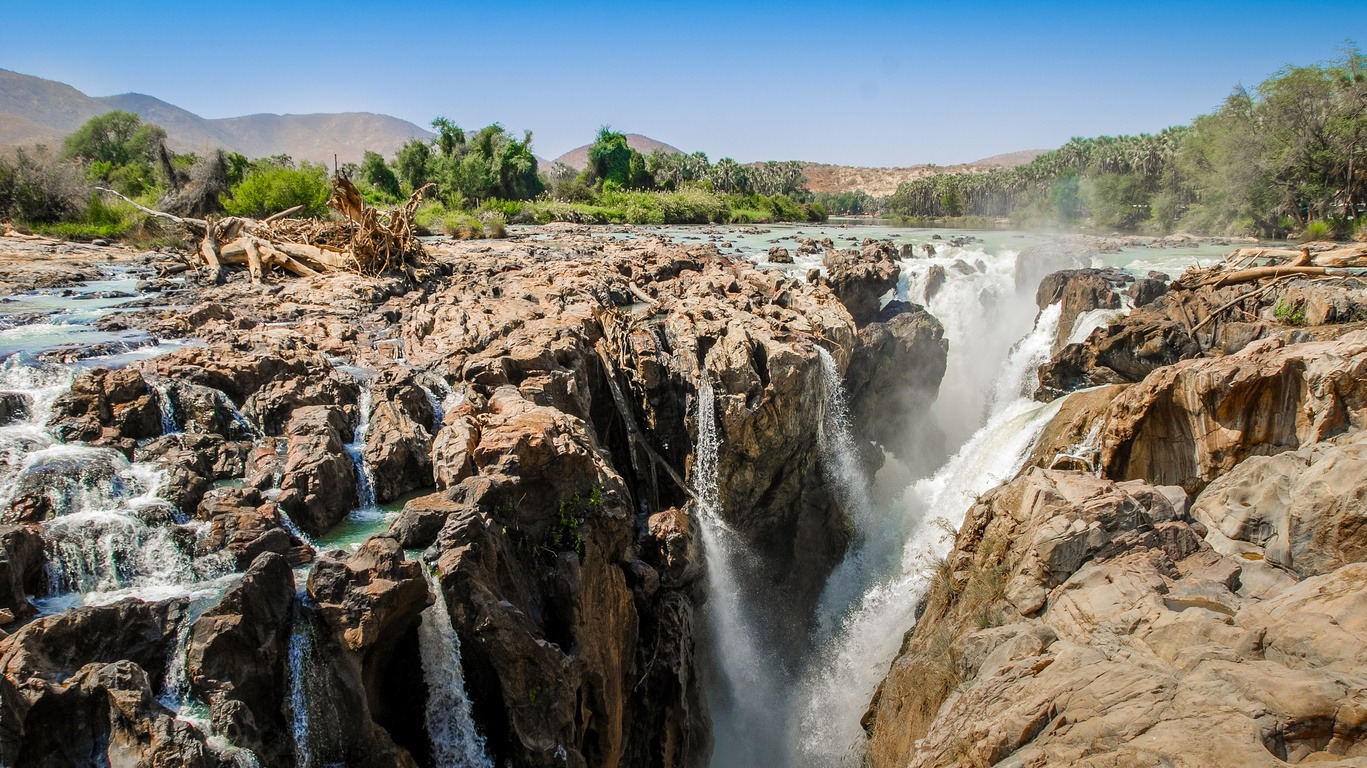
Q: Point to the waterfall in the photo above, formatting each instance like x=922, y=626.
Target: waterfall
x=456, y=742
x=748, y=718
x=365, y=485
x=873, y=546
x=301, y=652
x=985, y=411
x=176, y=686
x=162, y=390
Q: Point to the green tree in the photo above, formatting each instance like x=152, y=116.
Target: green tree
x=412, y=161
x=118, y=148
x=610, y=159
x=271, y=187
x=377, y=173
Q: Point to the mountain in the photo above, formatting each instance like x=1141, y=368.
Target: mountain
x=34, y=110
x=578, y=158
x=1010, y=159
x=881, y=182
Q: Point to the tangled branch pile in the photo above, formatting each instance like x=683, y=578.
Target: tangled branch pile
x=1249, y=265
x=364, y=240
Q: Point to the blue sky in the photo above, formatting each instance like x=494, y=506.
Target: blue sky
x=865, y=83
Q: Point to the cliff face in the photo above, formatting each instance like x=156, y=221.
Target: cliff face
x=536, y=406
x=1187, y=586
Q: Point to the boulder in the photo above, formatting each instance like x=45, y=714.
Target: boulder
x=15, y=406
x=398, y=445
x=319, y=485
x=370, y=597
x=894, y=374
x=243, y=524
x=861, y=278
x=105, y=407
x=1079, y=291
x=1302, y=511
x=21, y=570
x=237, y=659
x=780, y=255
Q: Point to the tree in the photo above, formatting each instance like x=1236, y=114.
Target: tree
x=377, y=173
x=412, y=161
x=119, y=148
x=610, y=159
x=271, y=187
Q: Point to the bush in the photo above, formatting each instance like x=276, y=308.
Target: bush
x=1320, y=229
x=271, y=187
x=495, y=224
x=1289, y=312
x=39, y=188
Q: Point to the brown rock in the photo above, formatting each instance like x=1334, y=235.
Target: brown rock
x=318, y=488
x=861, y=278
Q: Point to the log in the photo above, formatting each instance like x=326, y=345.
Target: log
x=254, y=260
x=208, y=248
x=1253, y=274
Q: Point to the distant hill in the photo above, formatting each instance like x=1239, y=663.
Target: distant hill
x=881, y=182
x=578, y=159
x=1010, y=159
x=34, y=110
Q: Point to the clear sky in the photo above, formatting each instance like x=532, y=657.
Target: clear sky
x=865, y=83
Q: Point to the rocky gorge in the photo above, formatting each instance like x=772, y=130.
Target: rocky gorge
x=648, y=501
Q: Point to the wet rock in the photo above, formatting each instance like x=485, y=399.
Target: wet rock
x=237, y=657
x=894, y=374
x=14, y=406
x=370, y=597
x=1079, y=291
x=780, y=255
x=21, y=570
x=243, y=524
x=192, y=462
x=318, y=488
x=79, y=684
x=860, y=279
x=107, y=407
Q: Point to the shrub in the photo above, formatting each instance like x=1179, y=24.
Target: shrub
x=40, y=188
x=271, y=187
x=1289, y=312
x=1320, y=229
x=495, y=224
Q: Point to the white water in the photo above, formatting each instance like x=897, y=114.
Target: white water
x=365, y=482
x=748, y=721
x=456, y=742
x=162, y=390
x=301, y=651
x=873, y=547
x=991, y=425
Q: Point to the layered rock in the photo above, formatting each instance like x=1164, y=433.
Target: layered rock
x=1188, y=423
x=1080, y=291
x=104, y=407
x=1079, y=620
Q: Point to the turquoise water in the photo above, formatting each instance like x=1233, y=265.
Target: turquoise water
x=361, y=524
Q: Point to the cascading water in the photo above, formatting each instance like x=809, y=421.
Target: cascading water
x=312, y=719
x=456, y=742
x=107, y=532
x=873, y=546
x=365, y=485
x=162, y=390
x=748, y=725
x=985, y=398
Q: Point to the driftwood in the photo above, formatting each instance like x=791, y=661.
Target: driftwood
x=364, y=240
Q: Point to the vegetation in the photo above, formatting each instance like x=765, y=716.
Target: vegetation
x=1279, y=159
x=275, y=184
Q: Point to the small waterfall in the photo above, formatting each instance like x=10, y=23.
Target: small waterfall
x=873, y=547
x=748, y=719
x=301, y=652
x=1019, y=374
x=456, y=742
x=176, y=687
x=365, y=483
x=162, y=389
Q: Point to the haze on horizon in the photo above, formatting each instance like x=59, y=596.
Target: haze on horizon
x=868, y=83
